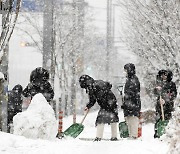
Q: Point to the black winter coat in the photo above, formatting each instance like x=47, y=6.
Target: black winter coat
x=132, y=102
x=168, y=94
x=100, y=91
x=43, y=87
x=14, y=103
x=39, y=84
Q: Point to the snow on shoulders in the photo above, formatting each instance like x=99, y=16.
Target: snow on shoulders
x=38, y=121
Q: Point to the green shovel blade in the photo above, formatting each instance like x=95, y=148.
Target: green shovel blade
x=74, y=130
x=161, y=126
x=123, y=130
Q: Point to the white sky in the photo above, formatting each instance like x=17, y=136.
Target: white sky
x=22, y=60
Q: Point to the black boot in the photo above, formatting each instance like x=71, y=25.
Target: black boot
x=156, y=136
x=97, y=139
x=114, y=139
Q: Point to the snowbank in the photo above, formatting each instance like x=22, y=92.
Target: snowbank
x=38, y=121
x=14, y=144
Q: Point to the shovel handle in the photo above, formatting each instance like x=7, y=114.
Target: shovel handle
x=162, y=110
x=84, y=116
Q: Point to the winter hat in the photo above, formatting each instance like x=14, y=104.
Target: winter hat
x=169, y=75
x=43, y=73
x=38, y=75
x=130, y=69
x=85, y=80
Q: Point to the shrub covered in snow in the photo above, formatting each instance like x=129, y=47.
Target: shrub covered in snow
x=173, y=132
x=38, y=121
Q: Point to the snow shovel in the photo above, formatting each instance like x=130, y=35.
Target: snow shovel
x=123, y=129
x=75, y=129
x=161, y=124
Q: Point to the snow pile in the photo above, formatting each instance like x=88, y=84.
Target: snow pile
x=14, y=144
x=38, y=121
x=173, y=132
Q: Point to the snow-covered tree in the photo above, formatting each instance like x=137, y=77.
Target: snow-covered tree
x=151, y=31
x=10, y=12
x=77, y=48
x=172, y=135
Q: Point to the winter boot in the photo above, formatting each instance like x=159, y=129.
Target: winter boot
x=113, y=139
x=97, y=139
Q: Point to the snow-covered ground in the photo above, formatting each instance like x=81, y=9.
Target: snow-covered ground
x=19, y=70
x=13, y=144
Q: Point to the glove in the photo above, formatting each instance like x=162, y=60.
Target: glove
x=162, y=101
x=122, y=106
x=29, y=86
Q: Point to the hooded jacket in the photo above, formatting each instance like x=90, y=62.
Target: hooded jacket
x=39, y=84
x=168, y=93
x=15, y=97
x=132, y=102
x=39, y=75
x=100, y=91
x=14, y=103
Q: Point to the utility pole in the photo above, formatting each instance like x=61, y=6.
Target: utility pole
x=109, y=37
x=48, y=38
